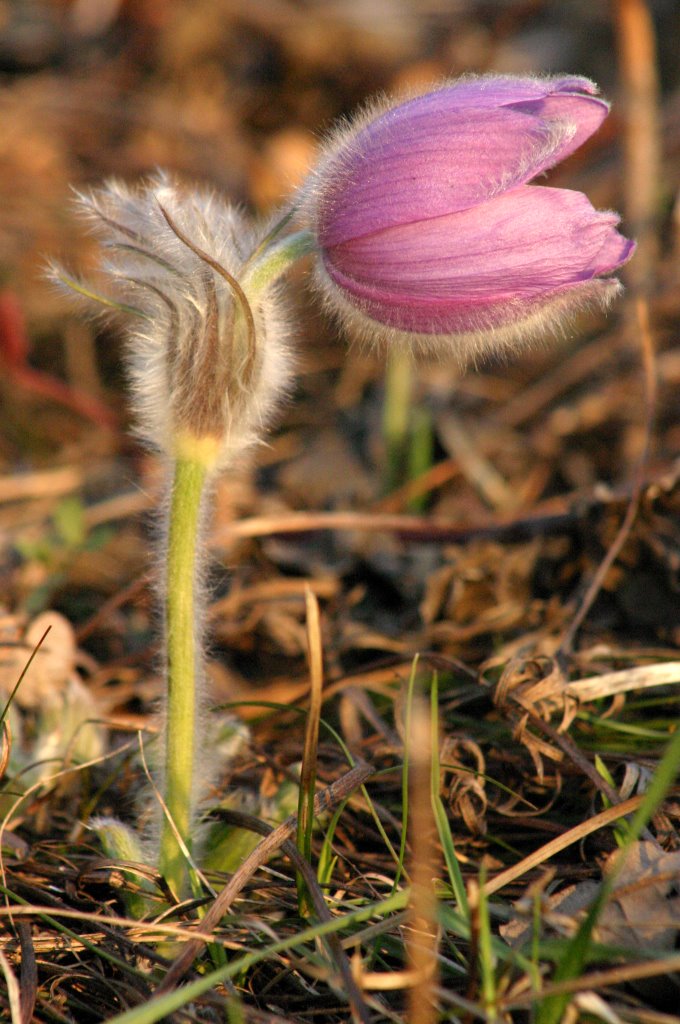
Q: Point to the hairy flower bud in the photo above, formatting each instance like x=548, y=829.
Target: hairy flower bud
x=207, y=354
x=426, y=226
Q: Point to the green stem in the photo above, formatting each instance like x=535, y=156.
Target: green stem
x=397, y=416
x=420, y=452
x=183, y=666
x=274, y=259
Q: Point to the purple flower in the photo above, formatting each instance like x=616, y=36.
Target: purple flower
x=427, y=229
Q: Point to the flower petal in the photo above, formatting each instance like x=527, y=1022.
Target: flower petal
x=469, y=270
x=569, y=98
x=450, y=149
x=585, y=113
x=507, y=90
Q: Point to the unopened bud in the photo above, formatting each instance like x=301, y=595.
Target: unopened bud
x=207, y=353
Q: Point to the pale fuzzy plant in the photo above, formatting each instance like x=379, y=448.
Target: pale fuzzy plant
x=203, y=357
x=208, y=361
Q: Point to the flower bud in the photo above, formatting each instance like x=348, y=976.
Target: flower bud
x=207, y=354
x=427, y=229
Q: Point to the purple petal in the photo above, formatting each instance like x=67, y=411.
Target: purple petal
x=570, y=98
x=504, y=90
x=451, y=149
x=481, y=267
x=585, y=113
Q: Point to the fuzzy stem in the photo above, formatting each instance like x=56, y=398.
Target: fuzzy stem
x=183, y=665
x=397, y=416
x=420, y=452
x=275, y=259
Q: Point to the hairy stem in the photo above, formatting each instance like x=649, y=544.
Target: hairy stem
x=397, y=417
x=265, y=266
x=184, y=665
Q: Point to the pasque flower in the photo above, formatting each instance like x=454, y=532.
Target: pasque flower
x=427, y=227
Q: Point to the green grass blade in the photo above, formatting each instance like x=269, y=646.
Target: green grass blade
x=404, y=774
x=487, y=966
x=443, y=826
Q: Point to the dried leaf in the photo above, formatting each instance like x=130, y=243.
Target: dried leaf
x=643, y=912
x=52, y=666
